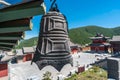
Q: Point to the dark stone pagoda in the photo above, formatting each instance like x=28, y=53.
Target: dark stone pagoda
x=99, y=43
x=53, y=48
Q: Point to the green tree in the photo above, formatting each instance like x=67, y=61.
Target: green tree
x=47, y=75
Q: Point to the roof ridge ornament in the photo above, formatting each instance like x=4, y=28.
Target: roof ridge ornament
x=54, y=6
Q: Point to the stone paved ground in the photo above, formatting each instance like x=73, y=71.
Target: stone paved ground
x=4, y=78
x=84, y=59
x=24, y=71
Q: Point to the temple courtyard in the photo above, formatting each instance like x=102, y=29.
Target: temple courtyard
x=26, y=71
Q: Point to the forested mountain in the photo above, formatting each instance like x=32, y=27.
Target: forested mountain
x=81, y=35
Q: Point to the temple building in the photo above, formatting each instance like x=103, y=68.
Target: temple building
x=115, y=44
x=28, y=51
x=21, y=55
x=25, y=54
x=99, y=43
x=75, y=48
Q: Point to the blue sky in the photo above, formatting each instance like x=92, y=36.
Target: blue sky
x=105, y=13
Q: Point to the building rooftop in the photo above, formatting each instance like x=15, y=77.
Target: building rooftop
x=99, y=36
x=28, y=50
x=73, y=44
x=6, y=58
x=115, y=38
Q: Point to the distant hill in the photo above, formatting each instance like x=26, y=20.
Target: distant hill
x=27, y=43
x=79, y=35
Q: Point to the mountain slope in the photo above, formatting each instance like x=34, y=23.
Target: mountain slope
x=79, y=35
x=116, y=31
x=27, y=43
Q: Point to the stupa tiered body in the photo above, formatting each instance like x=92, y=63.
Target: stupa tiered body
x=53, y=48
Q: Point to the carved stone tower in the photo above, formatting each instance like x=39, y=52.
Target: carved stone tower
x=53, y=48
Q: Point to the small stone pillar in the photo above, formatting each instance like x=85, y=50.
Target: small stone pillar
x=113, y=68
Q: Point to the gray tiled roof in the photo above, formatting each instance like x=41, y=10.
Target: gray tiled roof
x=99, y=44
x=99, y=37
x=107, y=44
x=71, y=44
x=115, y=38
x=6, y=58
x=28, y=50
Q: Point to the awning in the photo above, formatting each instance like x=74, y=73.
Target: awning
x=15, y=20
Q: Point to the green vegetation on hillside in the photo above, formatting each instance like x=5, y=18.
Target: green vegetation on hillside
x=81, y=35
x=116, y=31
x=78, y=35
x=94, y=73
x=27, y=43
